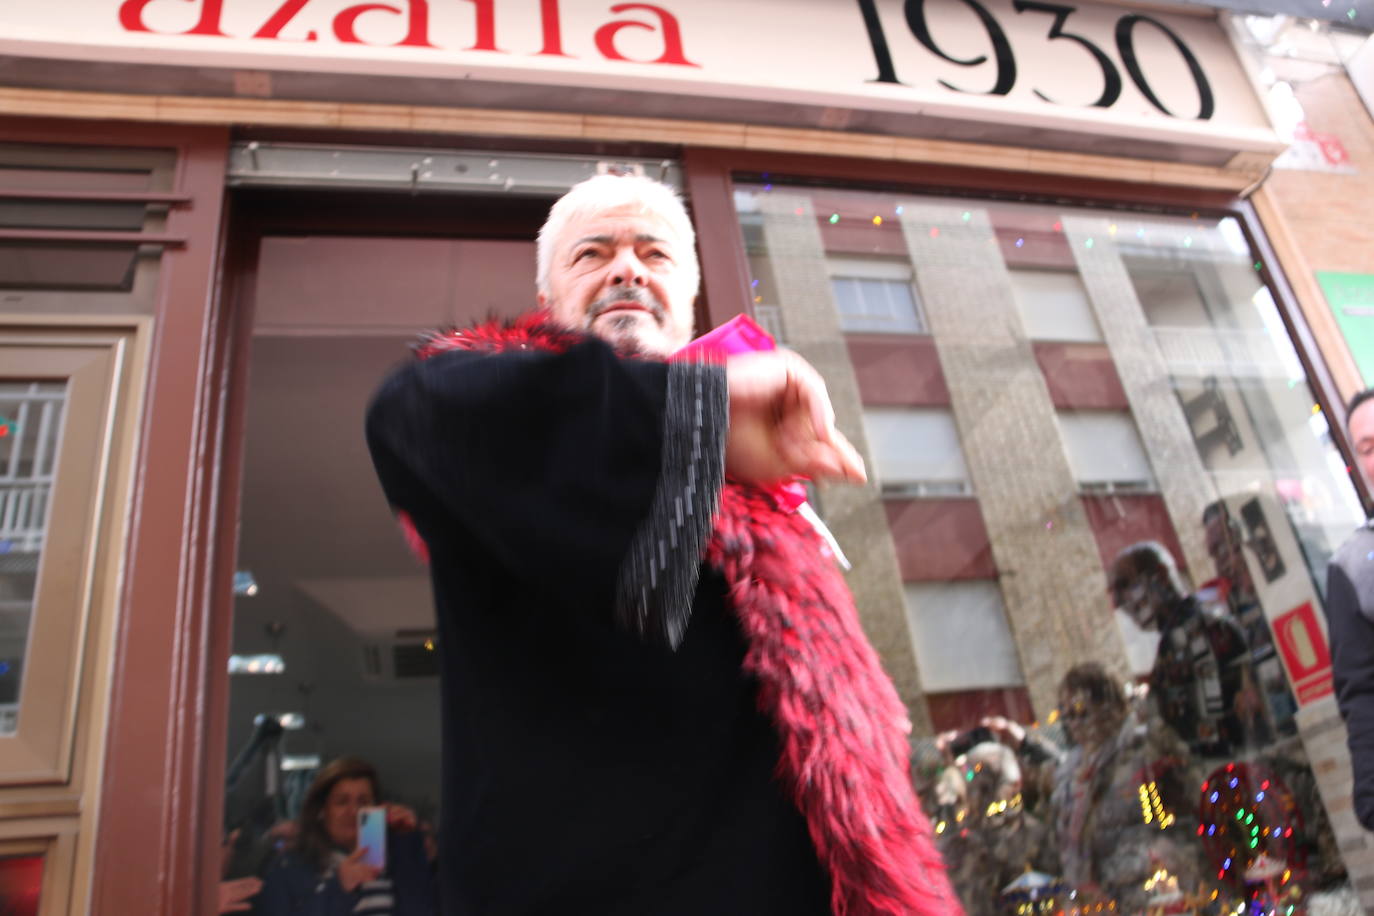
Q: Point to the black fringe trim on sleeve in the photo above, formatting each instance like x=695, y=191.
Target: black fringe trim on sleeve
x=658, y=578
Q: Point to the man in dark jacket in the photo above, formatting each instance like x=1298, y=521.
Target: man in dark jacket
x=1201, y=682
x=1350, y=619
x=656, y=695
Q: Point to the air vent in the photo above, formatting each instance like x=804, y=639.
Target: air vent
x=405, y=655
x=412, y=660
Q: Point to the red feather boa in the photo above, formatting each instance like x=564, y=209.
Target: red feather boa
x=841, y=724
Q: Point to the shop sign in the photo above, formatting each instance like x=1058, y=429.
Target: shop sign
x=1351, y=297
x=1083, y=67
x=1305, y=654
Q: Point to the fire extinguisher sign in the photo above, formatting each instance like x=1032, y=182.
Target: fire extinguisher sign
x=1305, y=654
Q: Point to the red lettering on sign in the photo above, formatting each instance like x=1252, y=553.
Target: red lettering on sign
x=485, y=26
x=131, y=18
x=672, y=34
x=284, y=14
x=553, y=29
x=416, y=37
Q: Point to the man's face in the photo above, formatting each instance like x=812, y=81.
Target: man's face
x=1134, y=592
x=1362, y=436
x=1225, y=551
x=619, y=275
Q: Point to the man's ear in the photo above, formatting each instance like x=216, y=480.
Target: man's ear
x=543, y=300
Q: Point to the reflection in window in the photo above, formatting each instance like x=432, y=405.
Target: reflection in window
x=1149, y=759
x=916, y=452
x=961, y=634
x=1105, y=452
x=873, y=295
x=1054, y=305
x=30, y=428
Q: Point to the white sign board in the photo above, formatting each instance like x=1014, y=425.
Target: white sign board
x=1095, y=69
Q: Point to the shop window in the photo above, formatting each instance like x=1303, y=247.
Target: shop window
x=1169, y=297
x=769, y=318
x=916, y=452
x=62, y=402
x=875, y=295
x=961, y=634
x=30, y=427
x=1054, y=305
x=1105, y=451
x=1149, y=410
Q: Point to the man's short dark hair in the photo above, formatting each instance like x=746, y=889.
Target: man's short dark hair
x=1356, y=401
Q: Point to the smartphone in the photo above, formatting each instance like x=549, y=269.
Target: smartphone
x=372, y=834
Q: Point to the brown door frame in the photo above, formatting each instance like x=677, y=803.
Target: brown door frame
x=153, y=764
x=251, y=215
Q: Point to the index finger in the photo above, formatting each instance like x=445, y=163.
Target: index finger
x=809, y=387
x=850, y=461
x=814, y=398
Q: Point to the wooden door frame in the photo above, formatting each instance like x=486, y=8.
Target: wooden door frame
x=153, y=761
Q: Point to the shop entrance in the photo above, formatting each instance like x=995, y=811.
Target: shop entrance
x=333, y=633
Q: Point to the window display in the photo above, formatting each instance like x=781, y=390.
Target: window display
x=1112, y=495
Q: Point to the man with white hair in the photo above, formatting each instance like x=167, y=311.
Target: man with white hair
x=656, y=695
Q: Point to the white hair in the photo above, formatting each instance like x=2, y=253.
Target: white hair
x=610, y=192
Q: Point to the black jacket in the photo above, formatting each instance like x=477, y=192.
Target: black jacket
x=1350, y=620
x=585, y=770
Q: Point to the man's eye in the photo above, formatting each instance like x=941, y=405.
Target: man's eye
x=584, y=254
x=654, y=253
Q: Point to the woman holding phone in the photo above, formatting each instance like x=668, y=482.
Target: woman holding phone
x=334, y=870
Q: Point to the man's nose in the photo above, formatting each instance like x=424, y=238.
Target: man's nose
x=628, y=270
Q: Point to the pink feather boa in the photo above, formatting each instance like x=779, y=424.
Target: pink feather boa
x=841, y=725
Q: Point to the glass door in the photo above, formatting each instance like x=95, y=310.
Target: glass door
x=334, y=645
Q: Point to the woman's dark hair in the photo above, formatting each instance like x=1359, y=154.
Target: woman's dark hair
x=1100, y=686
x=312, y=841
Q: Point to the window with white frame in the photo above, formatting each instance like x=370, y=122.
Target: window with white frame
x=962, y=638
x=1054, y=305
x=916, y=452
x=876, y=294
x=1105, y=451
